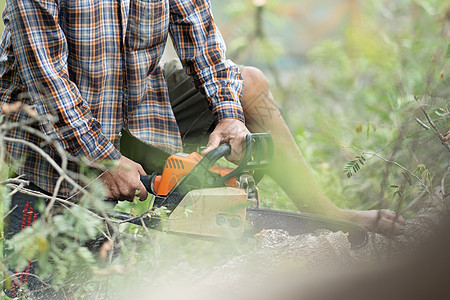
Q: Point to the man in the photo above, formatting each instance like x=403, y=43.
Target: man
x=94, y=65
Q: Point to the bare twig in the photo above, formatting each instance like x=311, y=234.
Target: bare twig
x=9, y=212
x=443, y=139
x=38, y=194
x=398, y=165
x=17, y=189
x=61, y=201
x=47, y=157
x=422, y=124
x=140, y=217
x=53, y=199
x=16, y=180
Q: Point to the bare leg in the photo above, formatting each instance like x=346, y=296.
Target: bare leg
x=288, y=167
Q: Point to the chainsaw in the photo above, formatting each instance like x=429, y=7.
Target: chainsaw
x=206, y=200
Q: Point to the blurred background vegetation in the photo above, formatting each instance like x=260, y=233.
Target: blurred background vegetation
x=345, y=74
x=353, y=79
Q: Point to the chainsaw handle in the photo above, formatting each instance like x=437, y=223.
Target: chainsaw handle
x=214, y=155
x=210, y=159
x=258, y=154
x=147, y=181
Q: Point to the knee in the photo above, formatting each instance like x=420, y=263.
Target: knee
x=254, y=80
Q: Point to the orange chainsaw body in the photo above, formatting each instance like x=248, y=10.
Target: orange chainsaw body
x=179, y=165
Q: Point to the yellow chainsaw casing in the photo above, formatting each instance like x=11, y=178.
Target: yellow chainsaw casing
x=213, y=212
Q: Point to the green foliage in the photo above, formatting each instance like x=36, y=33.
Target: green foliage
x=59, y=243
x=370, y=76
x=423, y=173
x=352, y=167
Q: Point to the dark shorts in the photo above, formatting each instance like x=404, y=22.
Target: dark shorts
x=194, y=119
x=195, y=122
x=24, y=213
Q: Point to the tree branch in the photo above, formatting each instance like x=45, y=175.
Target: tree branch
x=398, y=165
x=443, y=139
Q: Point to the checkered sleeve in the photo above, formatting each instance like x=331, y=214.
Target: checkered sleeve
x=41, y=51
x=201, y=49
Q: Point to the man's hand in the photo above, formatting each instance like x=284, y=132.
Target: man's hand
x=380, y=221
x=230, y=131
x=123, y=182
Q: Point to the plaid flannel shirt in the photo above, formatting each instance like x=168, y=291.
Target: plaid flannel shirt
x=94, y=65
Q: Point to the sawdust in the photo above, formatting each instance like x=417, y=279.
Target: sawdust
x=276, y=253
x=276, y=250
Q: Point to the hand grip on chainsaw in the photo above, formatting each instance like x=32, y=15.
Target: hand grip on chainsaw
x=258, y=154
